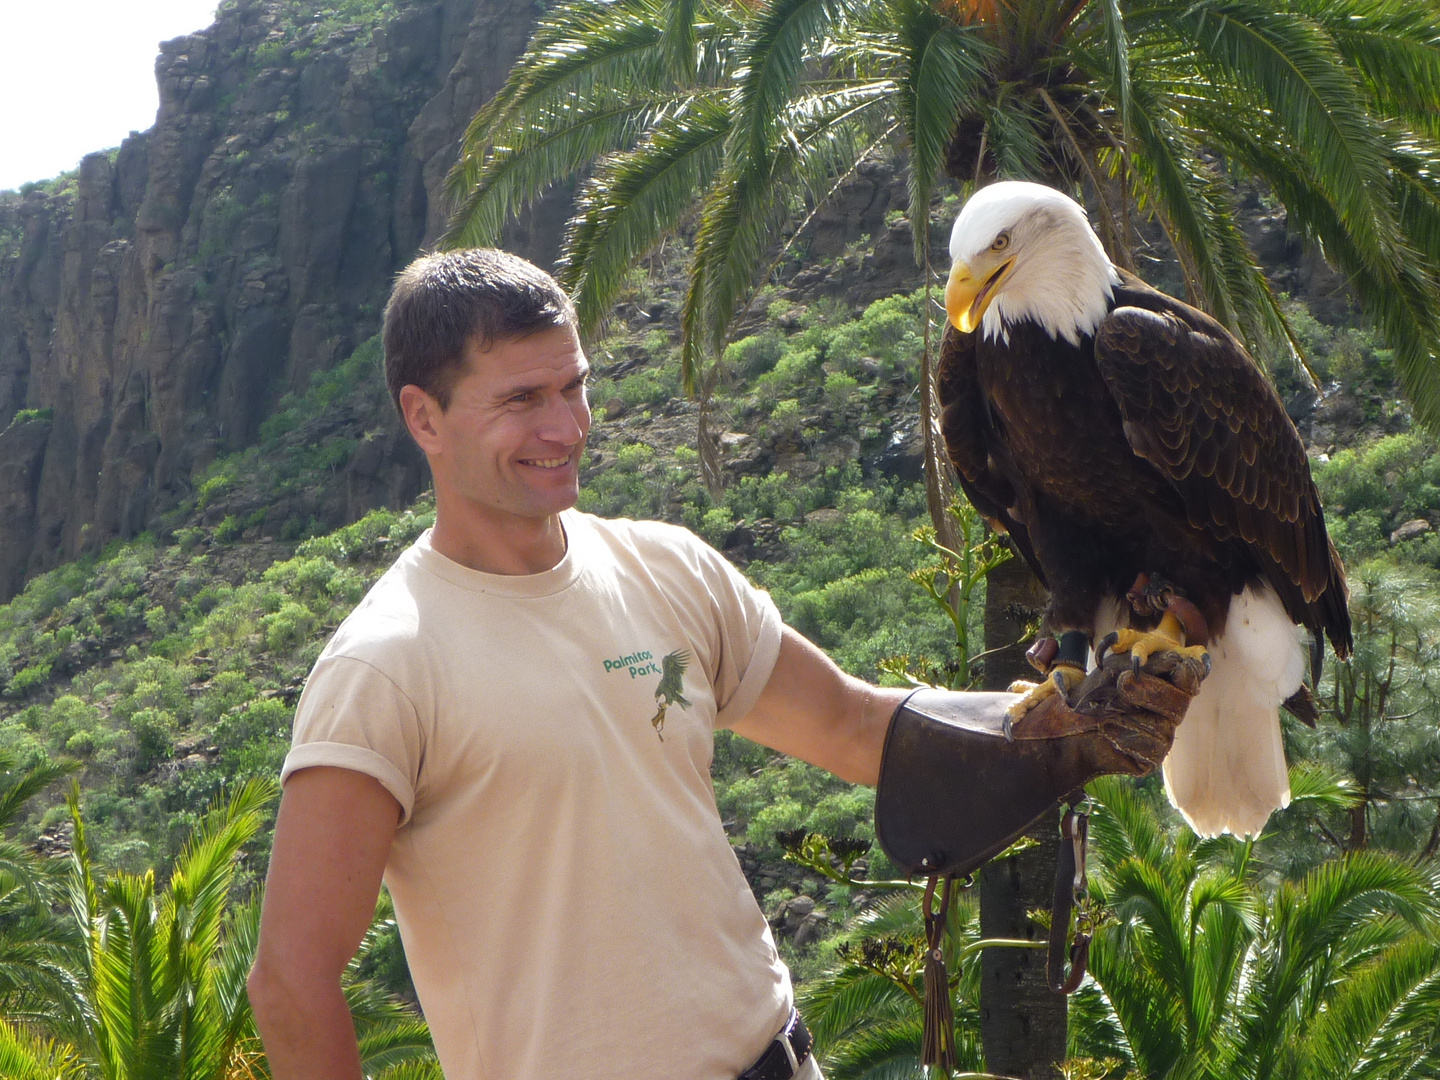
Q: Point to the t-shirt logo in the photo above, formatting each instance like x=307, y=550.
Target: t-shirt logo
x=671, y=670
x=671, y=690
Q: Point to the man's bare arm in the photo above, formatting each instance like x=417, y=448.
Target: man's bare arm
x=812, y=710
x=332, y=837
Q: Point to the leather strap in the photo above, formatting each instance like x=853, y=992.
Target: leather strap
x=784, y=1056
x=1070, y=888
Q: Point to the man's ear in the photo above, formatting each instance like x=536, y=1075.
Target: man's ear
x=422, y=415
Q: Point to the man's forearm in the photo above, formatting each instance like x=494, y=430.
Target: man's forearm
x=307, y=1029
x=814, y=711
x=873, y=708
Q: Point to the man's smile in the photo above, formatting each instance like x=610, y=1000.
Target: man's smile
x=546, y=463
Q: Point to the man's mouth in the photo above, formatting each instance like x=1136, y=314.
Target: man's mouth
x=547, y=463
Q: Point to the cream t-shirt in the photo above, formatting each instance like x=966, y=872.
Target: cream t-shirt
x=569, y=903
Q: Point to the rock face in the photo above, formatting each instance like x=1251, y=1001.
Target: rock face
x=156, y=306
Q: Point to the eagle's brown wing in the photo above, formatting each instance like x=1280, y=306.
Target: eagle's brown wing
x=973, y=443
x=1197, y=408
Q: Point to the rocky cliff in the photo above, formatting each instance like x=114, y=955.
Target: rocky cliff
x=156, y=304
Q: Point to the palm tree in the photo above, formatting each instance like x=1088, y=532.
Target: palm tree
x=158, y=977
x=24, y=1056
x=865, y=1013
x=33, y=942
x=1204, y=970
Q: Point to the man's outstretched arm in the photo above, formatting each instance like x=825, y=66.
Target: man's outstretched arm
x=332, y=838
x=812, y=710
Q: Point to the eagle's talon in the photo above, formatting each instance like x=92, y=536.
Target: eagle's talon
x=1062, y=679
x=1106, y=644
x=1205, y=659
x=1169, y=636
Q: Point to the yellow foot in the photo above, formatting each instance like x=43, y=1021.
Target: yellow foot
x=1062, y=679
x=1169, y=636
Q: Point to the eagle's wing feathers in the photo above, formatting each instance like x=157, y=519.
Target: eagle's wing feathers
x=971, y=441
x=1197, y=408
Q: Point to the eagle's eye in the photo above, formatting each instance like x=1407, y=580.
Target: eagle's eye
x=1001, y=242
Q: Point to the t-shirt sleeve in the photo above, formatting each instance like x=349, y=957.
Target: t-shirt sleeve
x=749, y=628
x=353, y=716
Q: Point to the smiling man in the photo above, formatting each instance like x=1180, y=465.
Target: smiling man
x=514, y=728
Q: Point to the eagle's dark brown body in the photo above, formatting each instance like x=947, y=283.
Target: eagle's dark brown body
x=1154, y=446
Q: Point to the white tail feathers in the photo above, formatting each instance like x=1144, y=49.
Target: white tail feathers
x=1226, y=771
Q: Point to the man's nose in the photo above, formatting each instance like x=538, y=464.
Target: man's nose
x=559, y=424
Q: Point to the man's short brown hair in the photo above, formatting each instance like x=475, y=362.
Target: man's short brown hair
x=441, y=301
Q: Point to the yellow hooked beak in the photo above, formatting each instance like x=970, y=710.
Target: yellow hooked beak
x=967, y=297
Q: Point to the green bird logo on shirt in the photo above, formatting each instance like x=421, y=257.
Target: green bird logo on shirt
x=671, y=690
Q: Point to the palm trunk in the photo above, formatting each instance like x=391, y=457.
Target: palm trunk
x=707, y=444
x=1022, y=1021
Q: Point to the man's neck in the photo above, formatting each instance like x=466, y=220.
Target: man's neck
x=512, y=546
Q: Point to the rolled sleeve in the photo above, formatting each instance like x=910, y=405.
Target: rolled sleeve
x=353, y=716
x=765, y=652
x=749, y=627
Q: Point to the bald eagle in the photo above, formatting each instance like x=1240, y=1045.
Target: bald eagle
x=1147, y=471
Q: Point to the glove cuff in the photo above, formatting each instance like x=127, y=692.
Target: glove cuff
x=954, y=792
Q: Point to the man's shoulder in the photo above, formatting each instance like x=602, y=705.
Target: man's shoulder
x=385, y=619
x=643, y=534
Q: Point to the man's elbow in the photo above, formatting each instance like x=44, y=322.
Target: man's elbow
x=278, y=991
x=266, y=987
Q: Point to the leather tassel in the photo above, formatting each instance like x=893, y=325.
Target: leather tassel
x=937, y=1045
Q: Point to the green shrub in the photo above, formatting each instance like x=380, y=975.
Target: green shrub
x=786, y=415
x=212, y=489
x=288, y=627
x=154, y=731
x=24, y=416
x=27, y=679
x=634, y=457
x=228, y=530
x=840, y=388
x=264, y=719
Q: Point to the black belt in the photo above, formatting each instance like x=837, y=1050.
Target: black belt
x=784, y=1056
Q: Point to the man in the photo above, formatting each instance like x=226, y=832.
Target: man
x=515, y=727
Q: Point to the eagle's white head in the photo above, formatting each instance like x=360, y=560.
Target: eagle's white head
x=1026, y=251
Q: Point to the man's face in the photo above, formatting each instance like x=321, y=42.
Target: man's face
x=510, y=442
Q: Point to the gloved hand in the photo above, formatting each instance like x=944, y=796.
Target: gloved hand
x=954, y=791
x=1128, y=718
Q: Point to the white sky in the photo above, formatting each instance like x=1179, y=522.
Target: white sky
x=79, y=75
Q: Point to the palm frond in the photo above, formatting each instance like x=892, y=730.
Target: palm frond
x=678, y=40
x=26, y=1057
x=1117, y=53
x=576, y=48
x=772, y=60
x=395, y=1043
x=821, y=135
x=1200, y=214
x=636, y=198
x=1297, y=72
x=1403, y=303
x=1393, y=44
x=942, y=67
x=1357, y=1032
x=512, y=178
x=1014, y=133
x=16, y=789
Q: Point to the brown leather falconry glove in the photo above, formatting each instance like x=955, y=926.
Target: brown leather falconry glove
x=954, y=791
